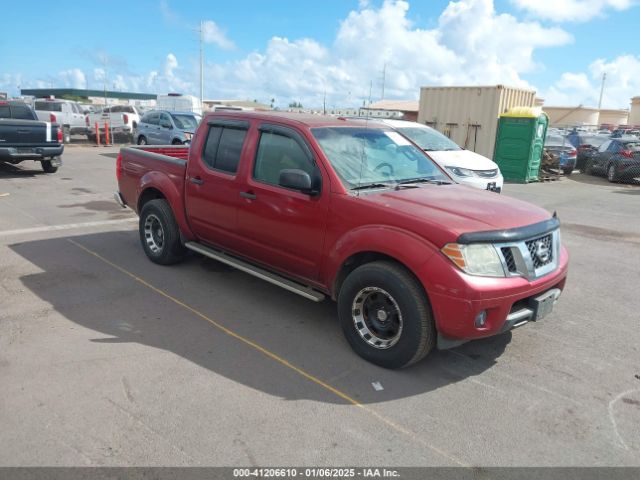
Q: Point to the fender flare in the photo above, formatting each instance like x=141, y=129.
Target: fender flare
x=408, y=248
x=161, y=182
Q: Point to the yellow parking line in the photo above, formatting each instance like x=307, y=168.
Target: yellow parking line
x=274, y=356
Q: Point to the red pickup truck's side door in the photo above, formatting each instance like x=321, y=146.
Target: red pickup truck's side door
x=280, y=227
x=212, y=183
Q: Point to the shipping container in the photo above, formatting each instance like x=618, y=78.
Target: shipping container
x=634, y=113
x=572, y=116
x=469, y=115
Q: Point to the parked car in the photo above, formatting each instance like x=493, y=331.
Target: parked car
x=122, y=120
x=354, y=212
x=65, y=112
x=161, y=127
x=617, y=158
x=586, y=145
x=24, y=137
x=464, y=166
x=564, y=150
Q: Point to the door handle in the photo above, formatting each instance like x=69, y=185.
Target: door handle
x=196, y=180
x=249, y=195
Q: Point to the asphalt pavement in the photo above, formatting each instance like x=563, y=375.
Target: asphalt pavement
x=108, y=359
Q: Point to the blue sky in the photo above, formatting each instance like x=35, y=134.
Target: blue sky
x=297, y=50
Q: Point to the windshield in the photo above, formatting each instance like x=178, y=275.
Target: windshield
x=428, y=139
x=362, y=156
x=185, y=122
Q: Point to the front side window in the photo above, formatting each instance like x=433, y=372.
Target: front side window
x=366, y=156
x=429, y=139
x=276, y=153
x=223, y=148
x=4, y=111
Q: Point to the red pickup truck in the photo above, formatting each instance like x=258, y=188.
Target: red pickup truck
x=353, y=211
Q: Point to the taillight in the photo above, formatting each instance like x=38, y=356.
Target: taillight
x=125, y=117
x=52, y=118
x=86, y=120
x=626, y=153
x=119, y=166
x=572, y=153
x=60, y=134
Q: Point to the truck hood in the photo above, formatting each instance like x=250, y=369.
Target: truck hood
x=443, y=212
x=462, y=159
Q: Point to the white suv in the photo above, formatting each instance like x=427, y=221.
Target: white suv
x=464, y=166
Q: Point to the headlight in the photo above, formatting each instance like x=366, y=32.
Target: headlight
x=188, y=135
x=461, y=172
x=475, y=259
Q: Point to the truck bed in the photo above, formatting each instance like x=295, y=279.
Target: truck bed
x=134, y=163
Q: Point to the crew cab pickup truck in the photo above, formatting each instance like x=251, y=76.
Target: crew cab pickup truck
x=353, y=211
x=24, y=137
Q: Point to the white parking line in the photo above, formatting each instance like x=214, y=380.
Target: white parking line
x=68, y=226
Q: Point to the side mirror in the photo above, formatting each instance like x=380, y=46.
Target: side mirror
x=297, y=179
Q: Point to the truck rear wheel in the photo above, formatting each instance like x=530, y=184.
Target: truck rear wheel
x=159, y=233
x=48, y=167
x=385, y=315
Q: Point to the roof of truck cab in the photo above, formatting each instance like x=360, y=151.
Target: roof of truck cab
x=302, y=119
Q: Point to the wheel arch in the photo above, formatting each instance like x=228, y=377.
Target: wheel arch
x=155, y=185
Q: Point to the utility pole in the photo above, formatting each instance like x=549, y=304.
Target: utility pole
x=201, y=67
x=384, y=79
x=604, y=77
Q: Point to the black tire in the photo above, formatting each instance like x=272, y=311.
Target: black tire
x=142, y=140
x=588, y=168
x=568, y=171
x=388, y=280
x=612, y=176
x=176, y=142
x=159, y=233
x=48, y=167
x=66, y=133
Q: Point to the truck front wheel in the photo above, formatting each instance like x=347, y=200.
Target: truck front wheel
x=159, y=233
x=385, y=315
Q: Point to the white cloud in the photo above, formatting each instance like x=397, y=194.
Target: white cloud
x=211, y=33
x=170, y=64
x=470, y=44
x=73, y=78
x=583, y=88
x=571, y=10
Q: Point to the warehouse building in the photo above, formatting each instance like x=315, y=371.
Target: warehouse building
x=96, y=97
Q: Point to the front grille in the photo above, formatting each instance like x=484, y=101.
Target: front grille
x=541, y=250
x=487, y=173
x=507, y=253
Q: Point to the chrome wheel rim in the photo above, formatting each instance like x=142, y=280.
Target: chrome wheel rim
x=153, y=233
x=377, y=317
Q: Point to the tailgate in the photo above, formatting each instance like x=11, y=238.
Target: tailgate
x=27, y=132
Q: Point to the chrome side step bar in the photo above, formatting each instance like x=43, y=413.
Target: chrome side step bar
x=246, y=267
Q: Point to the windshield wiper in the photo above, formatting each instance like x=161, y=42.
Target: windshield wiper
x=365, y=186
x=411, y=181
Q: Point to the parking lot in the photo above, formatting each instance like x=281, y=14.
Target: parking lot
x=109, y=359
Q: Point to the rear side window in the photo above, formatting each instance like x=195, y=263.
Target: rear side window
x=223, y=148
x=49, y=106
x=276, y=153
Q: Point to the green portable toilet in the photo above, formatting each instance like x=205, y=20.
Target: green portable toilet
x=519, y=143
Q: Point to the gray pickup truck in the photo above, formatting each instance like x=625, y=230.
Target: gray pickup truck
x=24, y=137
